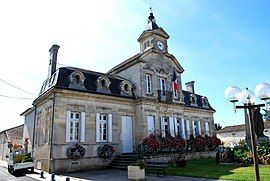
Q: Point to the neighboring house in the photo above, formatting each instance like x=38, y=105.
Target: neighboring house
x=28, y=130
x=120, y=108
x=231, y=135
x=14, y=135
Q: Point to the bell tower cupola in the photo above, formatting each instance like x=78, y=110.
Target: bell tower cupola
x=153, y=36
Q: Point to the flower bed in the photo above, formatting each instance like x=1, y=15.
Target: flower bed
x=75, y=151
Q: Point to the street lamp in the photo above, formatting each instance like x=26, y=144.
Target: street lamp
x=247, y=97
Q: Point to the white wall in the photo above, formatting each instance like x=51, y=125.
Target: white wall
x=28, y=128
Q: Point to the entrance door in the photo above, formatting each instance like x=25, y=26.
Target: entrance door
x=127, y=134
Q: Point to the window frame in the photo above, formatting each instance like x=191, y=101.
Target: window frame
x=148, y=81
x=74, y=131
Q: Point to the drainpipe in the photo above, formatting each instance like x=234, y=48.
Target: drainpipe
x=34, y=130
x=52, y=132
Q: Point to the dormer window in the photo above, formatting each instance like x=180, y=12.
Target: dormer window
x=146, y=44
x=193, y=100
x=76, y=80
x=126, y=88
x=103, y=84
x=204, y=102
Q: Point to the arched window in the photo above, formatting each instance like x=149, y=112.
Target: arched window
x=204, y=102
x=103, y=84
x=76, y=80
x=126, y=88
x=193, y=100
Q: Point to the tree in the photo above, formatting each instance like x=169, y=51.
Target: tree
x=217, y=126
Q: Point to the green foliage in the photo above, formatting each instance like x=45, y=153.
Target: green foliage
x=27, y=158
x=139, y=163
x=264, y=152
x=266, y=115
x=217, y=126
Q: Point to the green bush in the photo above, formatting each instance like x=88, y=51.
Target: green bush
x=264, y=152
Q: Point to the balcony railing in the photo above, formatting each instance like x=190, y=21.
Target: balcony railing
x=165, y=96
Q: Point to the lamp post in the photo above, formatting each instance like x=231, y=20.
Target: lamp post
x=247, y=97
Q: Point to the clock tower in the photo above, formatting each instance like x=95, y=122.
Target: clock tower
x=153, y=37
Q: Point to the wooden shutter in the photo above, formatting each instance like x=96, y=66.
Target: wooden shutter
x=68, y=126
x=82, y=123
x=183, y=129
x=175, y=127
x=97, y=127
x=171, y=126
x=110, y=130
x=199, y=127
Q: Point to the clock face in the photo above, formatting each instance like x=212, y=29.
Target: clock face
x=160, y=45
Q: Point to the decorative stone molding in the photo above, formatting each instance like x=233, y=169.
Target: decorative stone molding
x=103, y=84
x=126, y=88
x=76, y=80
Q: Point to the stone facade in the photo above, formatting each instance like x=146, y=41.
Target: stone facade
x=119, y=108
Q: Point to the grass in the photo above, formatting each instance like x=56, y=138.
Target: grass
x=208, y=169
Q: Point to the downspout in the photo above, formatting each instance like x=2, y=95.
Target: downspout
x=34, y=130
x=52, y=132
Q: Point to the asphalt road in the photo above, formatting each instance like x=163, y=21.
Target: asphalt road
x=5, y=176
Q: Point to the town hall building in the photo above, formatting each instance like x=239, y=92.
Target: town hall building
x=141, y=95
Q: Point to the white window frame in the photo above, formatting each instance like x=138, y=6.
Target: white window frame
x=162, y=84
x=75, y=128
x=150, y=124
x=148, y=80
x=163, y=125
x=103, y=127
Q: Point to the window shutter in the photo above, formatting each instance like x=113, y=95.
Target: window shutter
x=110, y=130
x=82, y=126
x=97, y=127
x=175, y=127
x=162, y=128
x=171, y=126
x=183, y=129
x=193, y=127
x=199, y=127
x=68, y=126
x=188, y=129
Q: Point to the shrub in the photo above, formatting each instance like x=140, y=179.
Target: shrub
x=212, y=142
x=264, y=152
x=152, y=141
x=75, y=151
x=242, y=153
x=106, y=151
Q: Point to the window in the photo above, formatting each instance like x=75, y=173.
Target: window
x=146, y=44
x=103, y=120
x=165, y=126
x=162, y=84
x=196, y=128
x=75, y=126
x=148, y=84
x=76, y=80
x=126, y=88
x=103, y=84
x=177, y=126
x=207, y=131
x=150, y=124
x=103, y=127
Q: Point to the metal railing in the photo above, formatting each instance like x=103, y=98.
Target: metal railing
x=165, y=96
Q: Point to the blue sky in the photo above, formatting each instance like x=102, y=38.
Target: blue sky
x=218, y=43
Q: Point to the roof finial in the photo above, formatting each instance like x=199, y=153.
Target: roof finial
x=151, y=10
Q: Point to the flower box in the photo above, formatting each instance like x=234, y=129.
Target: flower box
x=136, y=173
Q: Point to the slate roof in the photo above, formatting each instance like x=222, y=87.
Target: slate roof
x=62, y=81
x=241, y=127
x=199, y=101
x=15, y=135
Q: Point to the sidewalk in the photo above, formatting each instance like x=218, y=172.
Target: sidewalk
x=103, y=175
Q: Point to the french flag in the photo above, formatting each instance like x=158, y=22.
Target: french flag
x=174, y=82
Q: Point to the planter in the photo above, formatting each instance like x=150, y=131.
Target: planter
x=136, y=173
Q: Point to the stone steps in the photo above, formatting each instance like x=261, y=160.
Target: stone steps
x=124, y=160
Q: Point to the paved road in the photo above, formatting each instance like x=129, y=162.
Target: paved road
x=5, y=176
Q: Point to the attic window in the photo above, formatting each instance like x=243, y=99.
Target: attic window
x=103, y=84
x=193, y=99
x=204, y=102
x=76, y=80
x=126, y=87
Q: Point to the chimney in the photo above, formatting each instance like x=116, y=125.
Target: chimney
x=190, y=86
x=53, y=59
